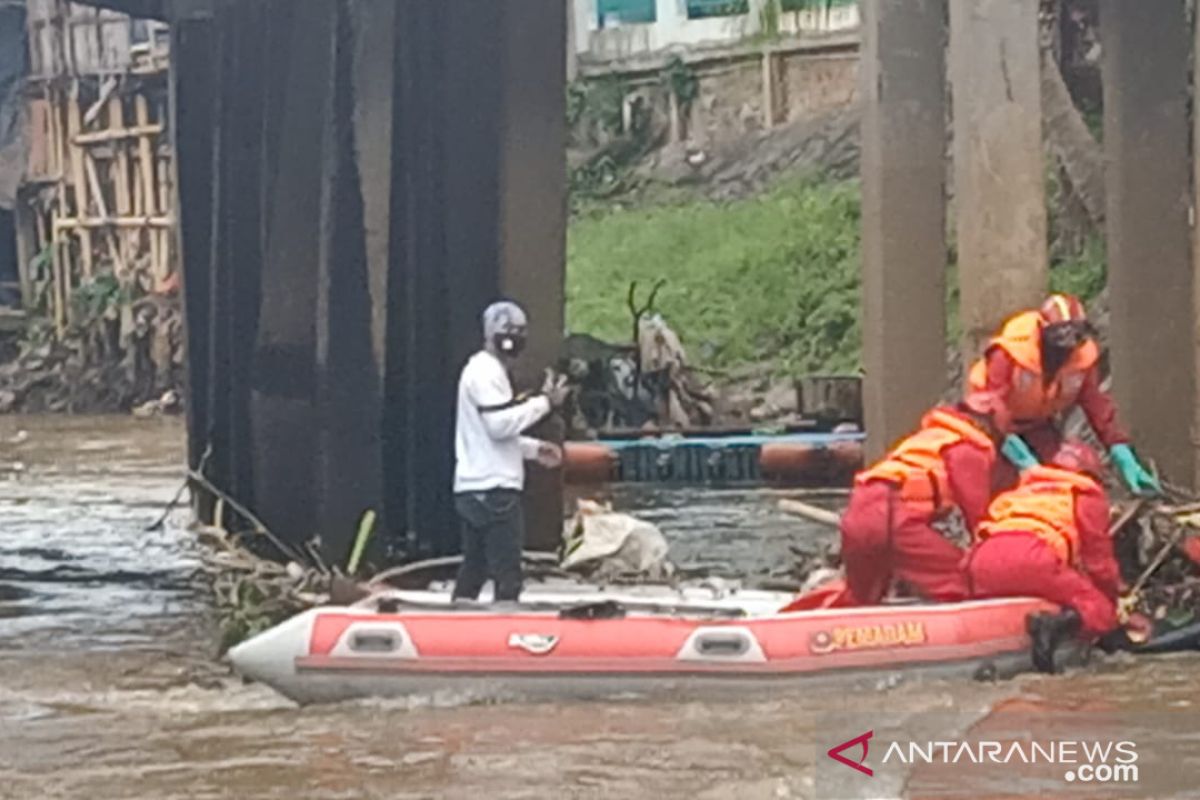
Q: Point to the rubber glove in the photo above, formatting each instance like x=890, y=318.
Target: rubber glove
x=1016, y=451
x=1136, y=477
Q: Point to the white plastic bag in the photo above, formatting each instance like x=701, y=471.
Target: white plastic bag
x=597, y=539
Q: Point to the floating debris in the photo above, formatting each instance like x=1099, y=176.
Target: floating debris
x=1157, y=545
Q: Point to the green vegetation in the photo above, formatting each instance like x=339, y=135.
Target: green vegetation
x=772, y=278
x=1084, y=273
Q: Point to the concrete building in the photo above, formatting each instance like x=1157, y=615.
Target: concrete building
x=608, y=30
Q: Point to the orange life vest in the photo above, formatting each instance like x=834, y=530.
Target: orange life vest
x=1030, y=399
x=915, y=465
x=1042, y=503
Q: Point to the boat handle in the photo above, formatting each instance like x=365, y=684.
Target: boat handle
x=723, y=644
x=375, y=641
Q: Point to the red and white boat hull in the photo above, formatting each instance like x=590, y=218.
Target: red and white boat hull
x=329, y=654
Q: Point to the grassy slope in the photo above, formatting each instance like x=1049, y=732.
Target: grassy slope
x=773, y=278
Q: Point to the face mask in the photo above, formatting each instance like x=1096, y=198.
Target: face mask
x=1065, y=335
x=509, y=345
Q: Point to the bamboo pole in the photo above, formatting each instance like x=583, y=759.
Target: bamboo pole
x=149, y=193
x=808, y=511
x=116, y=134
x=118, y=222
x=58, y=259
x=146, y=153
x=164, y=234
x=58, y=209
x=93, y=178
x=116, y=120
x=114, y=246
x=78, y=179
x=141, y=237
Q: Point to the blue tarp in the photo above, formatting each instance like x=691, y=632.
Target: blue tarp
x=752, y=440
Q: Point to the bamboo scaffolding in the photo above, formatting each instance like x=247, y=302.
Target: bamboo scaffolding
x=101, y=198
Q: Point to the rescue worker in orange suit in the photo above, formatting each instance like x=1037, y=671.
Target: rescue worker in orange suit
x=887, y=529
x=1041, y=365
x=1048, y=538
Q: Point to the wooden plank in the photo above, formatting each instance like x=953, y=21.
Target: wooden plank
x=39, y=141
x=116, y=41
x=53, y=146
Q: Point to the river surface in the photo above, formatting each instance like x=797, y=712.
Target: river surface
x=109, y=687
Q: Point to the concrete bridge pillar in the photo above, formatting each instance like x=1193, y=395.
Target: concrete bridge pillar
x=999, y=178
x=357, y=180
x=1150, y=266
x=903, y=214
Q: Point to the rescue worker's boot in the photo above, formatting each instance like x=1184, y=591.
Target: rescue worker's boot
x=1048, y=631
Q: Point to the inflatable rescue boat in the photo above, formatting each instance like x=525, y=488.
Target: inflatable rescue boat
x=637, y=639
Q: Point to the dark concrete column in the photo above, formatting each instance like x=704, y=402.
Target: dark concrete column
x=903, y=248
x=373, y=84
x=353, y=263
x=533, y=217
x=193, y=97
x=237, y=252
x=1150, y=262
x=299, y=79
x=999, y=177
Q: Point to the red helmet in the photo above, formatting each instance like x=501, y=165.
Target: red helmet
x=990, y=405
x=1076, y=456
x=1060, y=308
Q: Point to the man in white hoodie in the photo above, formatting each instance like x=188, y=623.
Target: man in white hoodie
x=491, y=448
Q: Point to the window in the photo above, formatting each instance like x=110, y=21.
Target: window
x=814, y=5
x=699, y=9
x=616, y=12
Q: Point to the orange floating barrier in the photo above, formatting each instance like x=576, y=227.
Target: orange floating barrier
x=810, y=463
x=588, y=462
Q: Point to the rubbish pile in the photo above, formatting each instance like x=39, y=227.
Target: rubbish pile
x=646, y=383
x=251, y=593
x=121, y=356
x=605, y=545
x=1158, y=547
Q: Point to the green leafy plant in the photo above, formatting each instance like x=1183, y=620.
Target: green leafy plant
x=98, y=297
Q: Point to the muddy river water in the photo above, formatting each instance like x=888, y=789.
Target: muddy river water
x=109, y=687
